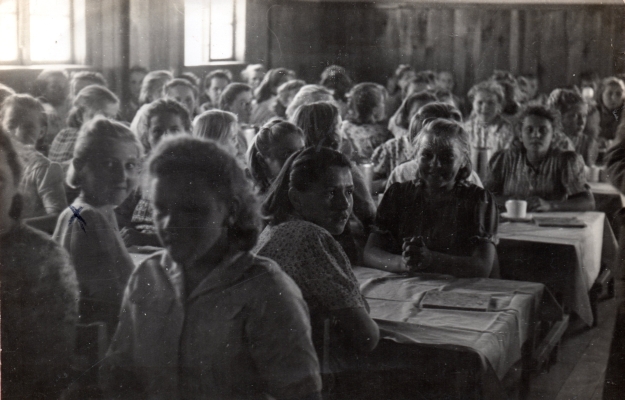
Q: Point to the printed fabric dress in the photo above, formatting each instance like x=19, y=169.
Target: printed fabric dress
x=364, y=138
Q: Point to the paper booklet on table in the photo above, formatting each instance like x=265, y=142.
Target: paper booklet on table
x=564, y=222
x=456, y=300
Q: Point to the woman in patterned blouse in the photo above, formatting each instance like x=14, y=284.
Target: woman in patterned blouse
x=438, y=222
x=536, y=170
x=310, y=201
x=488, y=130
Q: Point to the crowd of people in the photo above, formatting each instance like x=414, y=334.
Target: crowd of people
x=263, y=195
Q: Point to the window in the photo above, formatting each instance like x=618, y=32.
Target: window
x=213, y=31
x=39, y=31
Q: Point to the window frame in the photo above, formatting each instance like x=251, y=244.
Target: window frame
x=23, y=37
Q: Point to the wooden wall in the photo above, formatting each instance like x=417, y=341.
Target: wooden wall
x=554, y=42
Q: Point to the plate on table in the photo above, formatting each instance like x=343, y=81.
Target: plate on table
x=528, y=217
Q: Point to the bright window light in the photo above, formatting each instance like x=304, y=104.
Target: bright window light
x=8, y=30
x=50, y=30
x=210, y=27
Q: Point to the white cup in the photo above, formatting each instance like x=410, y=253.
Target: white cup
x=516, y=208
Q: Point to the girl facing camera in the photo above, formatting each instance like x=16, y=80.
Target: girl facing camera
x=536, y=170
x=437, y=223
x=310, y=202
x=206, y=318
x=105, y=168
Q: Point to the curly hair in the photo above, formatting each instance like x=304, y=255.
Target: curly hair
x=306, y=95
x=612, y=80
x=402, y=115
x=269, y=135
x=564, y=100
x=301, y=170
x=270, y=83
x=203, y=158
x=95, y=78
x=336, y=79
x=430, y=112
x=537, y=110
x=448, y=131
x=490, y=87
x=19, y=102
x=364, y=98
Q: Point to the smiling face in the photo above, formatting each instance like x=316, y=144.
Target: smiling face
x=486, y=106
x=574, y=120
x=112, y=174
x=163, y=124
x=281, y=151
x=536, y=134
x=215, y=87
x=440, y=158
x=242, y=106
x=183, y=95
x=189, y=216
x=612, y=96
x=328, y=202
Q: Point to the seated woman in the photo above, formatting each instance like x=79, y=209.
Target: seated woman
x=253, y=75
x=336, y=79
x=488, y=130
x=408, y=171
x=51, y=88
x=610, y=98
x=82, y=79
x=396, y=87
x=130, y=104
x=134, y=216
x=307, y=95
x=265, y=94
x=213, y=84
x=105, y=167
x=206, y=319
x=286, y=94
x=399, y=150
x=437, y=223
x=365, y=109
x=39, y=297
x=574, y=114
x=272, y=146
x=310, y=201
x=536, y=170
x=151, y=90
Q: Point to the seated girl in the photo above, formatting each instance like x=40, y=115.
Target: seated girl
x=184, y=92
x=131, y=102
x=24, y=119
x=408, y=171
x=253, y=75
x=214, y=83
x=91, y=101
x=573, y=111
x=206, y=319
x=272, y=146
x=320, y=123
x=336, y=79
x=222, y=127
x=399, y=150
x=396, y=87
x=134, y=215
x=39, y=297
x=151, y=90
x=82, y=79
x=365, y=109
x=437, y=223
x=51, y=88
x=265, y=94
x=286, y=94
x=610, y=98
x=310, y=202
x=105, y=167
x=535, y=169
x=489, y=132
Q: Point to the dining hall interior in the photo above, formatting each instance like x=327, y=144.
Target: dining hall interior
x=312, y=199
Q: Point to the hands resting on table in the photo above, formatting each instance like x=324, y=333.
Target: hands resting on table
x=415, y=254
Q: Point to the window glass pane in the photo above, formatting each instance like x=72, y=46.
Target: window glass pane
x=222, y=29
x=50, y=38
x=50, y=7
x=8, y=6
x=8, y=33
x=195, y=32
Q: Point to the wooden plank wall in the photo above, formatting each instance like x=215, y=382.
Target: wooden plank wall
x=554, y=42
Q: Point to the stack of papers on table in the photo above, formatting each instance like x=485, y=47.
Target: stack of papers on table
x=564, y=222
x=456, y=300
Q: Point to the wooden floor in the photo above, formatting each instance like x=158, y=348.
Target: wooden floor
x=583, y=356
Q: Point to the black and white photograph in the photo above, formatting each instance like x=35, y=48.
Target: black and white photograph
x=312, y=199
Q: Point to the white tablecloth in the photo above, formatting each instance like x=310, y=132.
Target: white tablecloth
x=497, y=335
x=592, y=244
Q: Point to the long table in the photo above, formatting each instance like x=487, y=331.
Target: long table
x=609, y=201
x=567, y=260
x=496, y=336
